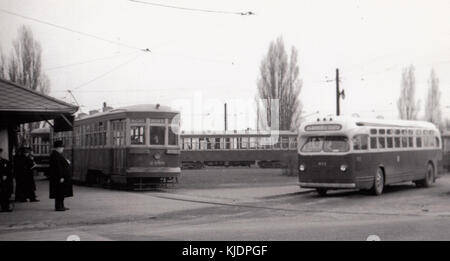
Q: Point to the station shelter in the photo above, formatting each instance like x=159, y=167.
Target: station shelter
x=20, y=105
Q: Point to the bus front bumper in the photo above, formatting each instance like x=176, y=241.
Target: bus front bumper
x=327, y=185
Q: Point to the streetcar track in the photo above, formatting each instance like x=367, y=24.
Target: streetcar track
x=241, y=205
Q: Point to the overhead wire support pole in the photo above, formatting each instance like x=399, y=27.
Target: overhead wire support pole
x=339, y=93
x=338, y=109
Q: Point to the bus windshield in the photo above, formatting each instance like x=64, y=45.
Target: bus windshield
x=326, y=144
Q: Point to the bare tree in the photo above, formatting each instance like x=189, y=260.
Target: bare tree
x=433, y=111
x=24, y=67
x=447, y=124
x=3, y=63
x=407, y=107
x=25, y=62
x=279, y=79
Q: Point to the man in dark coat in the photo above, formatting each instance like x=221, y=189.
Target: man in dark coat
x=6, y=183
x=24, y=174
x=60, y=176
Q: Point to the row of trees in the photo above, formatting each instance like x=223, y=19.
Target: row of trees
x=408, y=107
x=279, y=80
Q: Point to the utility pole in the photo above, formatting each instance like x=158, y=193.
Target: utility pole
x=338, y=94
x=226, y=118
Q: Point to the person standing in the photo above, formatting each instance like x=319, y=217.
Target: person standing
x=60, y=177
x=23, y=170
x=6, y=183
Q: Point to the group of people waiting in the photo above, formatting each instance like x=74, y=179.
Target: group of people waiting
x=22, y=171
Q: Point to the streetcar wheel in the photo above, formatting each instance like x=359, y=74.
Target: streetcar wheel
x=322, y=191
x=429, y=177
x=378, y=183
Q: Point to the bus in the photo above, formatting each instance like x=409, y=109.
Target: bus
x=135, y=146
x=352, y=153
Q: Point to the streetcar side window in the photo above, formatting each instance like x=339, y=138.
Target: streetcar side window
x=381, y=142
x=118, y=132
x=137, y=135
x=373, y=142
x=437, y=142
x=389, y=142
x=411, y=142
x=418, y=142
x=404, y=142
x=397, y=143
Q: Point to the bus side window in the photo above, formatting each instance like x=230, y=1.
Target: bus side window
x=361, y=142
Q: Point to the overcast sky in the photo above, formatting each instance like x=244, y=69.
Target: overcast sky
x=200, y=60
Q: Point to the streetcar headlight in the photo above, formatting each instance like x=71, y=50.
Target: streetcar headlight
x=157, y=156
x=301, y=167
x=344, y=167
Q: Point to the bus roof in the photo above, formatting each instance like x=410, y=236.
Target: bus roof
x=354, y=122
x=133, y=108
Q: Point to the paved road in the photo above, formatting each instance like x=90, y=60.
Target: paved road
x=261, y=206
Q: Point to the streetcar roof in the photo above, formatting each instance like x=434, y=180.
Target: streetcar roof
x=44, y=130
x=133, y=108
x=349, y=123
x=236, y=133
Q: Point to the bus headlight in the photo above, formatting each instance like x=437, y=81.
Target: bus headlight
x=301, y=167
x=344, y=167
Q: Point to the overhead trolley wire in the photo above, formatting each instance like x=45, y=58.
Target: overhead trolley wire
x=74, y=31
x=193, y=9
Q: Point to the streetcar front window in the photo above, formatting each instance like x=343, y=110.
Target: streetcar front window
x=173, y=136
x=326, y=144
x=157, y=134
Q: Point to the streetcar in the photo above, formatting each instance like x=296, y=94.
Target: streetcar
x=446, y=150
x=239, y=148
x=40, y=147
x=351, y=153
x=134, y=147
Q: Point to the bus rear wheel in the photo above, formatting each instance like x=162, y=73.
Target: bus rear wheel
x=378, y=182
x=322, y=191
x=429, y=177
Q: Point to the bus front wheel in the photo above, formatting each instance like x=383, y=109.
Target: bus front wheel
x=322, y=192
x=429, y=177
x=378, y=182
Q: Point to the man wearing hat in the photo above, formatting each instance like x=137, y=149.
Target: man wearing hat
x=60, y=177
x=24, y=174
x=6, y=183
